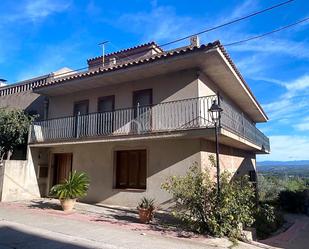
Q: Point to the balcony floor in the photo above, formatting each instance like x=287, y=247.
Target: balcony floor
x=226, y=137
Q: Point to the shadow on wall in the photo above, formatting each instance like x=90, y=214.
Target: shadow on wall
x=36, y=107
x=238, y=162
x=15, y=238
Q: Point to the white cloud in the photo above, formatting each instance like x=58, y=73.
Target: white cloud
x=34, y=10
x=298, y=86
x=303, y=125
x=293, y=104
x=272, y=45
x=160, y=24
x=37, y=9
x=52, y=58
x=287, y=147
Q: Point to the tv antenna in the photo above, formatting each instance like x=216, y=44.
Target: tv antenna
x=103, y=50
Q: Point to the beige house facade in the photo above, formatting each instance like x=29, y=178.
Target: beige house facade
x=142, y=116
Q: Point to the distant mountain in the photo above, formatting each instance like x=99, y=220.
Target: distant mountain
x=283, y=165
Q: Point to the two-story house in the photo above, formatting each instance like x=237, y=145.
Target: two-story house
x=143, y=115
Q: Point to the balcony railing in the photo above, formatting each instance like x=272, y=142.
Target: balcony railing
x=164, y=117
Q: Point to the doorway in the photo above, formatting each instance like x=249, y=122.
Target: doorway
x=142, y=104
x=62, y=167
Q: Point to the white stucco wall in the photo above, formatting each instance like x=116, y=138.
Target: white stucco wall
x=18, y=181
x=164, y=158
x=174, y=86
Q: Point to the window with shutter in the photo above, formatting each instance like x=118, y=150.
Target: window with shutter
x=131, y=169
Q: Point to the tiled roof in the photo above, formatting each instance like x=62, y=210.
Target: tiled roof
x=127, y=64
x=150, y=59
x=22, y=86
x=126, y=50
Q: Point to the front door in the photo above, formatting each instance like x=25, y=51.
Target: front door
x=62, y=167
x=142, y=101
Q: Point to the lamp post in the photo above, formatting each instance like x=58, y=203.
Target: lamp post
x=215, y=111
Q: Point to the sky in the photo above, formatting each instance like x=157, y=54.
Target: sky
x=40, y=36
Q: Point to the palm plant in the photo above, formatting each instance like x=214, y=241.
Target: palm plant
x=146, y=203
x=76, y=186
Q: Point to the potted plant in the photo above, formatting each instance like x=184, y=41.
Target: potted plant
x=74, y=187
x=145, y=209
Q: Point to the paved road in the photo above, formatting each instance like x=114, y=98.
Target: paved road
x=23, y=229
x=18, y=236
x=296, y=237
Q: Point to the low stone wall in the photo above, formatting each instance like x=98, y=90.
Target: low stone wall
x=18, y=181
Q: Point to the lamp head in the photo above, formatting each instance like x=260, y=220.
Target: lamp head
x=215, y=111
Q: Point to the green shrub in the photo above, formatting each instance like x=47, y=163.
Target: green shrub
x=198, y=205
x=293, y=202
x=76, y=186
x=267, y=220
x=14, y=126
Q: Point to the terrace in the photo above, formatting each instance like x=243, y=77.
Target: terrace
x=164, y=118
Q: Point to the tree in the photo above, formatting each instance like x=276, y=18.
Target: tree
x=14, y=126
x=198, y=205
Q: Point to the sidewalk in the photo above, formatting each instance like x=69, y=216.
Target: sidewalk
x=75, y=230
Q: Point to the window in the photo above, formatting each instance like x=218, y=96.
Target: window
x=81, y=125
x=142, y=101
x=252, y=176
x=106, y=117
x=142, y=97
x=131, y=169
x=81, y=107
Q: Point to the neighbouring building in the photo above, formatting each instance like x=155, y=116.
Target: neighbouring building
x=143, y=116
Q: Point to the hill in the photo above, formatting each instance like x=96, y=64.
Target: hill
x=284, y=168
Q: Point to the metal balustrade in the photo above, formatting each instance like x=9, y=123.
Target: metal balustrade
x=163, y=117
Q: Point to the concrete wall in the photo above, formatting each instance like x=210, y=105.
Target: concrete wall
x=237, y=162
x=18, y=181
x=165, y=157
x=26, y=100
x=175, y=86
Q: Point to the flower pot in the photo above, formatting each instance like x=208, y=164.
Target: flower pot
x=67, y=204
x=145, y=215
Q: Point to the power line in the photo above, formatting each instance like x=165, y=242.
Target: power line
x=232, y=43
x=267, y=33
x=229, y=23
x=214, y=28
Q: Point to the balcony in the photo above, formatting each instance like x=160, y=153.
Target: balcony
x=181, y=115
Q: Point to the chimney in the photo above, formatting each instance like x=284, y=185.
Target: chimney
x=2, y=82
x=194, y=41
x=112, y=61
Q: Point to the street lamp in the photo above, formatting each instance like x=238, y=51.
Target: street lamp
x=215, y=111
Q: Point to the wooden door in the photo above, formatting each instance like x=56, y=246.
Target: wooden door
x=62, y=167
x=142, y=101
x=106, y=107
x=81, y=107
x=80, y=111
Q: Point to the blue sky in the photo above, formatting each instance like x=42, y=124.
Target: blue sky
x=40, y=36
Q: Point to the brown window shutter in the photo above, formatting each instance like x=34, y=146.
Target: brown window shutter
x=131, y=169
x=142, y=169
